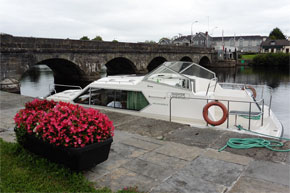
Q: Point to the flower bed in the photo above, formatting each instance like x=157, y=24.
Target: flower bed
x=62, y=126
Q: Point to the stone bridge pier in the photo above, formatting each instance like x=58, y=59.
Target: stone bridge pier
x=74, y=61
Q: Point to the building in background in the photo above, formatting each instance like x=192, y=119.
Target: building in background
x=198, y=40
x=239, y=43
x=274, y=46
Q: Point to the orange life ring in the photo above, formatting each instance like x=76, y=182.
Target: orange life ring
x=252, y=89
x=205, y=113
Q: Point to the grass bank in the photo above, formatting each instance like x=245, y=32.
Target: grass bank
x=24, y=172
x=248, y=56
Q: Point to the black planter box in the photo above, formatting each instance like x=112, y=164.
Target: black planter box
x=76, y=159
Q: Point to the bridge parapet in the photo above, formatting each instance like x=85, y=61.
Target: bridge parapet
x=18, y=44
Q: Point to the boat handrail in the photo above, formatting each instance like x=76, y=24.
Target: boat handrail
x=243, y=85
x=62, y=85
x=117, y=81
x=209, y=84
x=250, y=114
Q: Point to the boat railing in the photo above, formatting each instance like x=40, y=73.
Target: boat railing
x=51, y=87
x=210, y=86
x=263, y=91
x=131, y=82
x=248, y=113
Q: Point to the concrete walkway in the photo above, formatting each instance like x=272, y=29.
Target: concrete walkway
x=159, y=156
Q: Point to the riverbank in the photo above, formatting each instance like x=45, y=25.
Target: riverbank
x=159, y=156
x=266, y=60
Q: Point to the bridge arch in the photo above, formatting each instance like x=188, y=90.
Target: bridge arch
x=155, y=62
x=186, y=59
x=64, y=71
x=204, y=61
x=120, y=65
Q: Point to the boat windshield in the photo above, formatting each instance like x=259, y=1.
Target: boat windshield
x=179, y=68
x=190, y=69
x=179, y=74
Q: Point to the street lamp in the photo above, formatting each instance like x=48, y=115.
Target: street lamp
x=191, y=30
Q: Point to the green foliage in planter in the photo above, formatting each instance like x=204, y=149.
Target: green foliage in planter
x=20, y=133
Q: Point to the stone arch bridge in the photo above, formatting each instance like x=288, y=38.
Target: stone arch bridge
x=76, y=60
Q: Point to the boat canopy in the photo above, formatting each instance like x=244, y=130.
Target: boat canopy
x=180, y=68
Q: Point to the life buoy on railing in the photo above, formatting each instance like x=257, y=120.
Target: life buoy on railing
x=205, y=113
x=252, y=89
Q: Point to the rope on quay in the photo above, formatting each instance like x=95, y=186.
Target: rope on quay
x=246, y=143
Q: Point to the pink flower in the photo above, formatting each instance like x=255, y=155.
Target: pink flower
x=64, y=124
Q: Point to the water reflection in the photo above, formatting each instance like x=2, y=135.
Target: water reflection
x=257, y=76
x=35, y=82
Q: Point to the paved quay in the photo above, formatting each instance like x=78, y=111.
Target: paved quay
x=159, y=156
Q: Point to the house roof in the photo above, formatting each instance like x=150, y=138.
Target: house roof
x=253, y=37
x=182, y=38
x=275, y=43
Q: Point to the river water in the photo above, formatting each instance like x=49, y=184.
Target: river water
x=38, y=81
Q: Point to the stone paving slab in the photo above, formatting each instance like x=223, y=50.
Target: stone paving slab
x=96, y=173
x=141, y=144
x=164, y=160
x=121, y=177
x=269, y=171
x=180, y=151
x=119, y=120
x=195, y=136
x=228, y=157
x=114, y=161
x=184, y=183
x=8, y=136
x=149, y=127
x=252, y=185
x=127, y=151
x=122, y=136
x=154, y=171
x=215, y=171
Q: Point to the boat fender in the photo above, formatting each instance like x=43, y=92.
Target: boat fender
x=252, y=89
x=205, y=113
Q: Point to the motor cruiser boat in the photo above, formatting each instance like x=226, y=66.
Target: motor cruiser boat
x=182, y=92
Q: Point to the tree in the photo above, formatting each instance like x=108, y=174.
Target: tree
x=98, y=38
x=115, y=41
x=164, y=39
x=276, y=34
x=84, y=38
x=150, y=42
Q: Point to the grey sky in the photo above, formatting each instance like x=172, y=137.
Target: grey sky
x=136, y=21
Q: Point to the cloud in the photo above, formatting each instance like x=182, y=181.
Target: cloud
x=134, y=21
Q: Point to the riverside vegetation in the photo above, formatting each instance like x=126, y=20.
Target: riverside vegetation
x=272, y=59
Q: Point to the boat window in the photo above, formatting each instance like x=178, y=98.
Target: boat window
x=195, y=70
x=132, y=100
x=136, y=101
x=83, y=98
